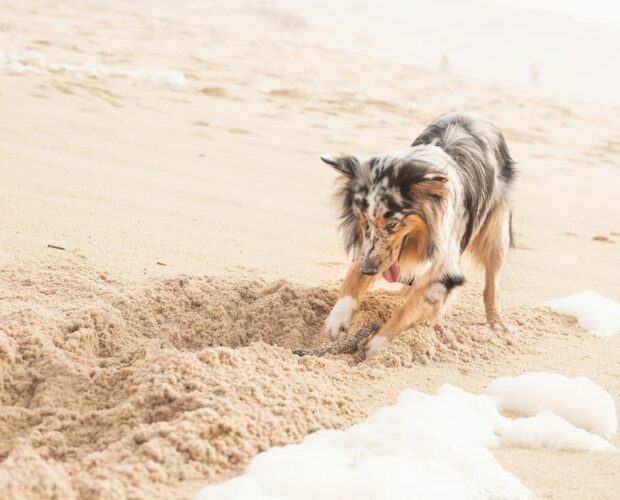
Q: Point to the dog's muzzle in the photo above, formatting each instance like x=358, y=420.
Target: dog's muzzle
x=369, y=267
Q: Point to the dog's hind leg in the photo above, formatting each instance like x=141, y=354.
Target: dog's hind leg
x=353, y=288
x=490, y=248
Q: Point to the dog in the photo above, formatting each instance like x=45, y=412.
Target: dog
x=409, y=216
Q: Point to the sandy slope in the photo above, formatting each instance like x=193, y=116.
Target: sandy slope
x=121, y=376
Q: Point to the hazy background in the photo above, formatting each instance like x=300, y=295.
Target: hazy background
x=566, y=47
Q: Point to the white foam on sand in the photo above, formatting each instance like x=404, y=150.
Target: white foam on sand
x=547, y=430
x=596, y=314
x=424, y=446
x=37, y=63
x=577, y=400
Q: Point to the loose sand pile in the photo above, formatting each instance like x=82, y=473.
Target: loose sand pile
x=122, y=377
x=113, y=389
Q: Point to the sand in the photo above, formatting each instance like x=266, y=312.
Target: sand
x=151, y=356
x=113, y=388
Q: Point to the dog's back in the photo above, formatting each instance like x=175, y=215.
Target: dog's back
x=481, y=160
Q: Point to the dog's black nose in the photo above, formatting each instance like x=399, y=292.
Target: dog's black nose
x=369, y=268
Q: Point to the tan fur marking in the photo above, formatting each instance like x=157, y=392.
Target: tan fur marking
x=423, y=304
x=415, y=247
x=355, y=282
x=490, y=248
x=431, y=188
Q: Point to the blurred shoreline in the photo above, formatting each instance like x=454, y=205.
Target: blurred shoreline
x=495, y=42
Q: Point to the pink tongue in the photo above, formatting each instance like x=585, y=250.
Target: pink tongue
x=393, y=273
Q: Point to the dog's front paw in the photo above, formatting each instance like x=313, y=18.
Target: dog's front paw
x=375, y=345
x=339, y=318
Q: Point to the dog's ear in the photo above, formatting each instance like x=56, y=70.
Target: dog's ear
x=433, y=184
x=347, y=165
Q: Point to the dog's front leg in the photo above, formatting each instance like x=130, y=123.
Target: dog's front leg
x=354, y=286
x=424, y=304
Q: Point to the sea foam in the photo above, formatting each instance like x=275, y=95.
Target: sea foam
x=37, y=63
x=428, y=446
x=596, y=314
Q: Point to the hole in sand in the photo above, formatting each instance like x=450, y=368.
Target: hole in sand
x=191, y=314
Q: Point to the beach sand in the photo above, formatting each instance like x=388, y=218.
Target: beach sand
x=175, y=168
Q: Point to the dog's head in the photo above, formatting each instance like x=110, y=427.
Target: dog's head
x=390, y=207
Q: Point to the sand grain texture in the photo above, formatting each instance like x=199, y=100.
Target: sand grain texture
x=113, y=388
x=121, y=377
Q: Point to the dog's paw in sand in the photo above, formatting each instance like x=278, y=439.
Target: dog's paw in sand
x=339, y=319
x=499, y=327
x=376, y=345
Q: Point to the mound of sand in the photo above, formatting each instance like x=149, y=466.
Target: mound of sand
x=141, y=388
x=149, y=380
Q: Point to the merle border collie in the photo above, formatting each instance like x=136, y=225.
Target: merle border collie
x=409, y=215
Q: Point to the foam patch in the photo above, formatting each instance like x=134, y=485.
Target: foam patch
x=596, y=314
x=424, y=446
